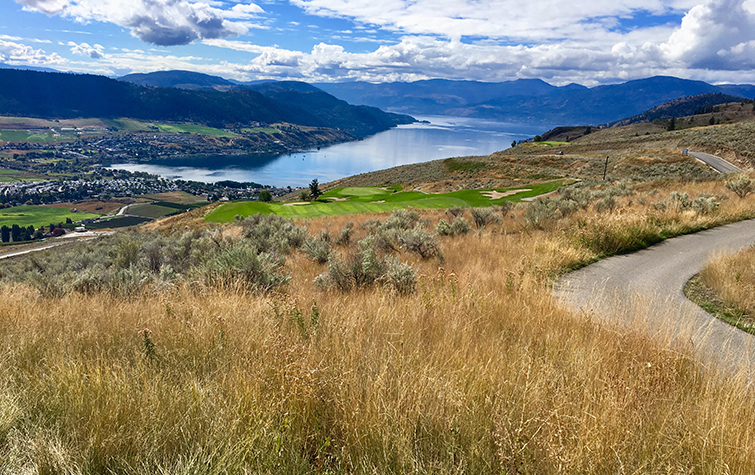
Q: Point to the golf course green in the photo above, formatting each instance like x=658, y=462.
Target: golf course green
x=354, y=200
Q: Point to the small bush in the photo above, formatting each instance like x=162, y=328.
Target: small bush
x=367, y=267
x=240, y=264
x=456, y=227
x=317, y=249
x=484, y=216
x=456, y=211
x=540, y=213
x=271, y=233
x=401, y=277
x=344, y=239
x=419, y=241
x=705, y=205
x=608, y=203
x=740, y=184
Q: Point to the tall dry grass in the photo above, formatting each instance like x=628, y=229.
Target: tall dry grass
x=479, y=371
x=732, y=278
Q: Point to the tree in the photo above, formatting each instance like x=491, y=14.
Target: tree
x=513, y=144
x=5, y=234
x=15, y=233
x=537, y=139
x=671, y=124
x=314, y=189
x=304, y=195
x=265, y=196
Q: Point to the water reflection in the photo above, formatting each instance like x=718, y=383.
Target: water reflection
x=442, y=137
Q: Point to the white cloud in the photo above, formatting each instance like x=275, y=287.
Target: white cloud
x=243, y=11
x=95, y=52
x=16, y=53
x=162, y=22
x=717, y=35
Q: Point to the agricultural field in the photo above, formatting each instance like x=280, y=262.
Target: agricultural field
x=8, y=176
x=134, y=125
x=37, y=216
x=355, y=200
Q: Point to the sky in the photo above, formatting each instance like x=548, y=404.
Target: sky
x=588, y=42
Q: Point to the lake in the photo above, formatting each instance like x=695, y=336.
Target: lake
x=442, y=137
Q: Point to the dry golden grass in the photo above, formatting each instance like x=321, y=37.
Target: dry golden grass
x=479, y=371
x=732, y=278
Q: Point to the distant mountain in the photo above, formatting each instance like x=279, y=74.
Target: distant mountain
x=528, y=100
x=57, y=95
x=686, y=106
x=179, y=79
x=435, y=96
x=313, y=106
x=27, y=68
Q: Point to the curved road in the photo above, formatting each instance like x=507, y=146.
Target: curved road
x=717, y=163
x=649, y=285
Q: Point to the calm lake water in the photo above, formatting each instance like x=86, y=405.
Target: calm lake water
x=443, y=137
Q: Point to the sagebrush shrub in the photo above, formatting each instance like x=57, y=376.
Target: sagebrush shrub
x=740, y=184
x=458, y=226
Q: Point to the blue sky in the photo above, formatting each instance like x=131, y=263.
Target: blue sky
x=588, y=42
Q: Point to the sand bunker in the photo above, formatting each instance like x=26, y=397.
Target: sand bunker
x=296, y=203
x=494, y=195
x=334, y=198
x=381, y=201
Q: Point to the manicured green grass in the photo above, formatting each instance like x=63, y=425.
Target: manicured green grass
x=37, y=216
x=8, y=176
x=132, y=125
x=193, y=129
x=364, y=200
x=26, y=136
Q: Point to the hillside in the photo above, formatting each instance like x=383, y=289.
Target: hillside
x=682, y=107
x=315, y=107
x=56, y=95
x=179, y=79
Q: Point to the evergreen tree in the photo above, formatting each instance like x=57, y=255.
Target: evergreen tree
x=314, y=189
x=5, y=234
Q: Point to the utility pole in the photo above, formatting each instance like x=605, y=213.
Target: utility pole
x=605, y=170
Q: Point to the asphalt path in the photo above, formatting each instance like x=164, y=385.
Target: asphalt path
x=716, y=163
x=646, y=287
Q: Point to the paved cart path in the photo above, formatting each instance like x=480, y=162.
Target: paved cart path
x=620, y=287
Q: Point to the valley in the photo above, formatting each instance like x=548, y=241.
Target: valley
x=398, y=320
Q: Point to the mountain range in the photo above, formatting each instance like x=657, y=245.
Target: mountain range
x=63, y=95
x=522, y=100
x=529, y=100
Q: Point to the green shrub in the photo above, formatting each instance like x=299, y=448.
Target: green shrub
x=318, y=248
x=456, y=227
x=484, y=216
x=419, y=241
x=542, y=212
x=740, y=184
x=705, y=205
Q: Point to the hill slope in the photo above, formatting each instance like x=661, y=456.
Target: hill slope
x=56, y=95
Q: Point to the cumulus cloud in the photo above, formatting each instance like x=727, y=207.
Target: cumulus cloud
x=162, y=22
x=94, y=52
x=717, y=35
x=16, y=53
